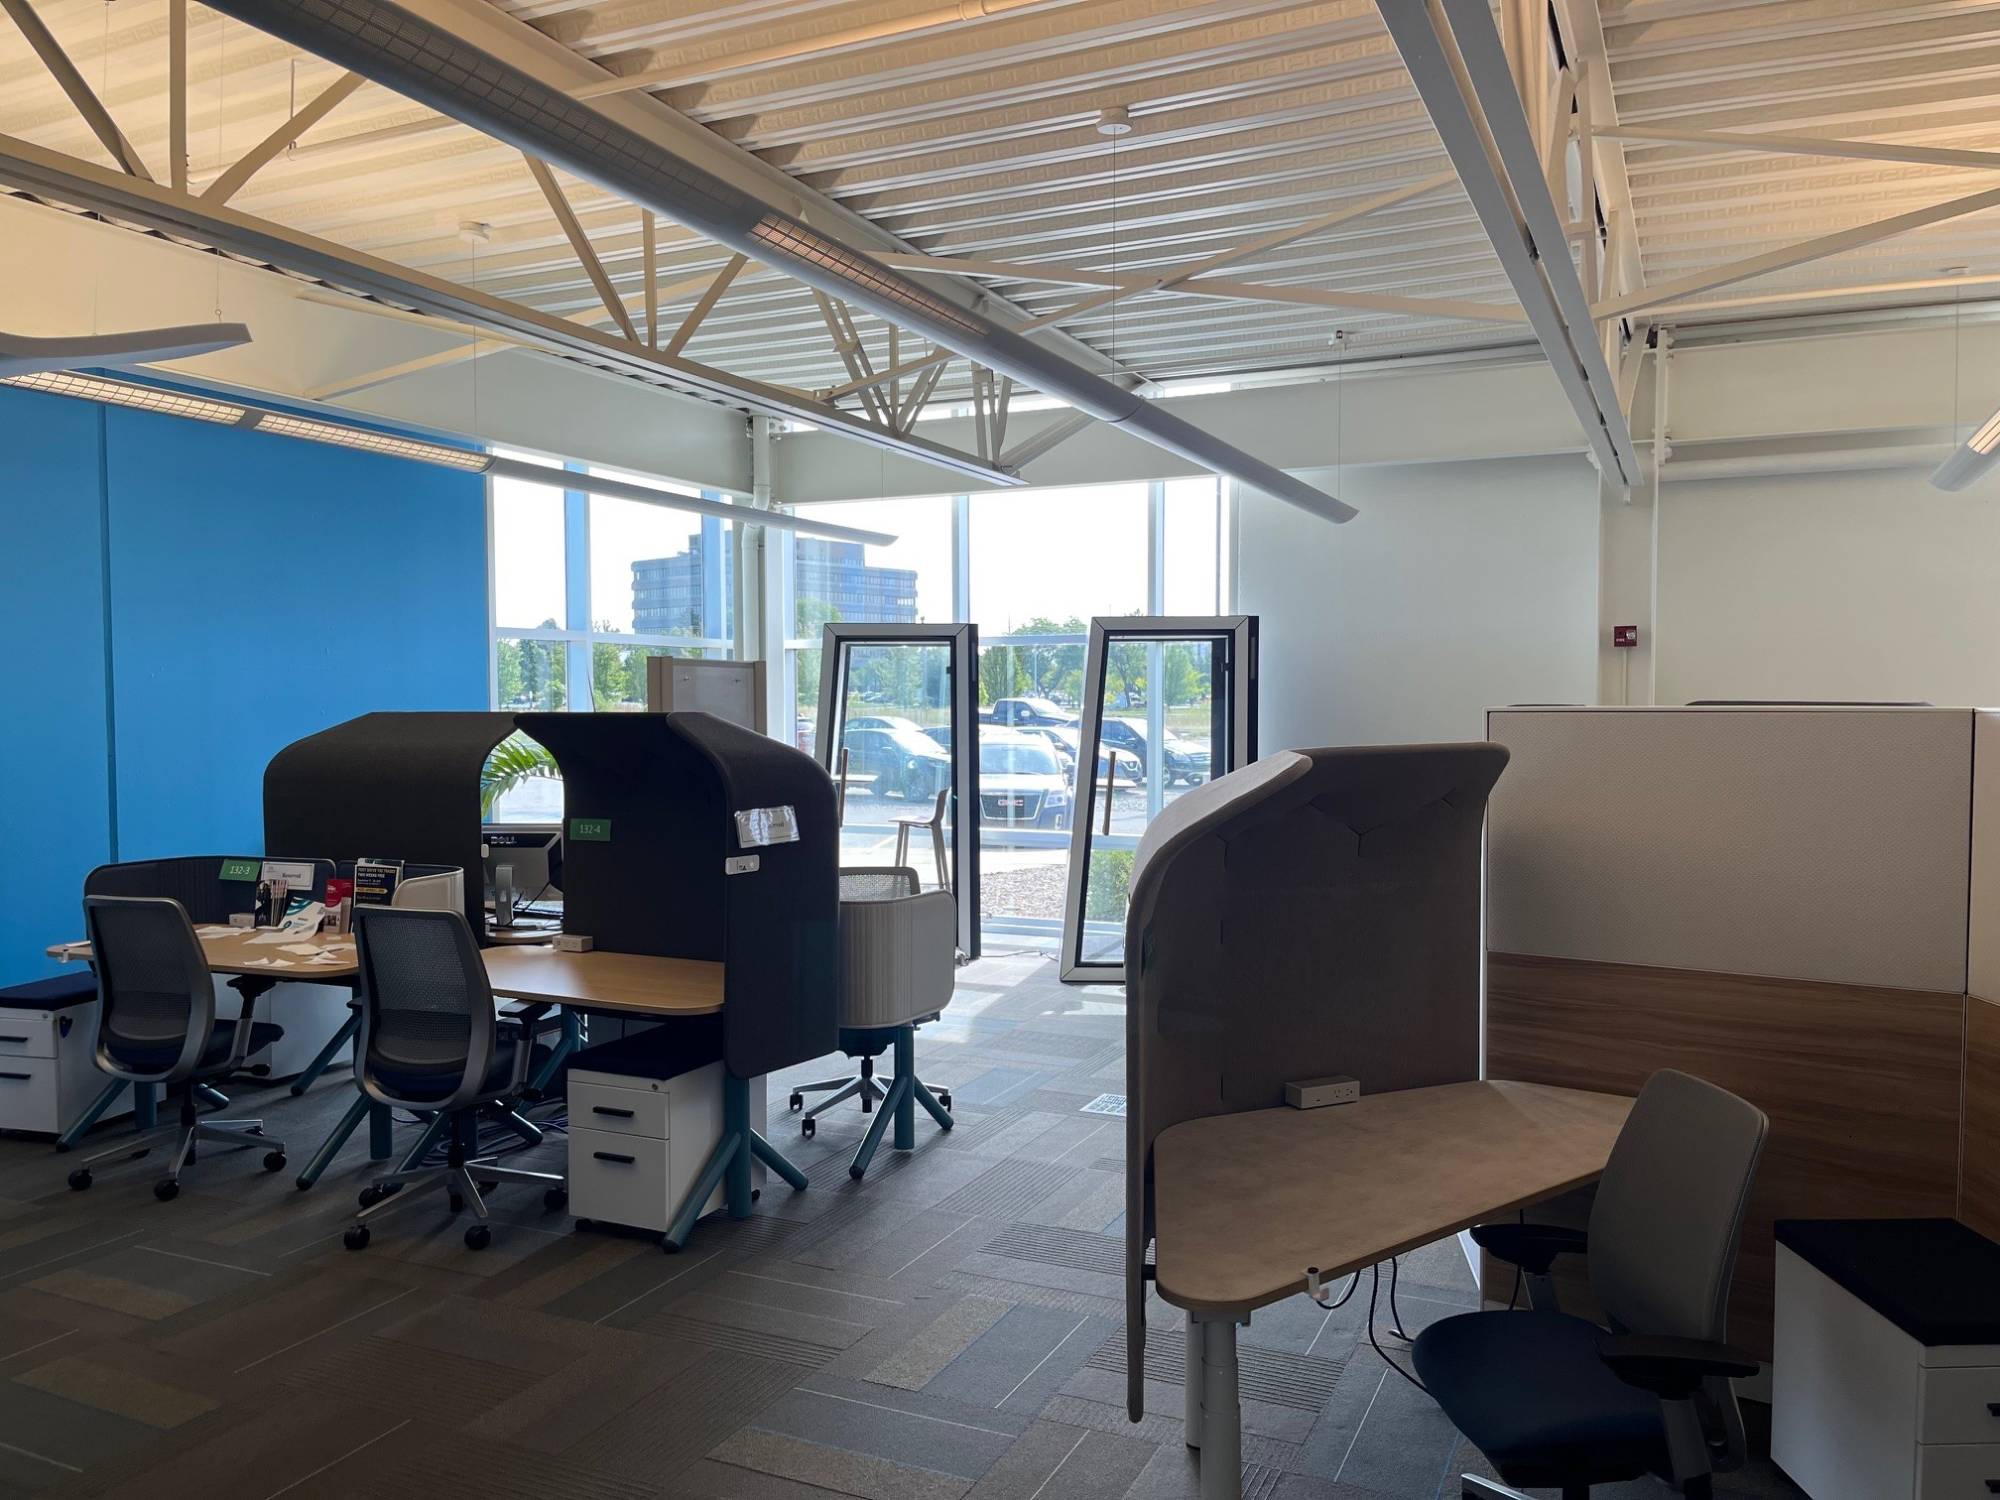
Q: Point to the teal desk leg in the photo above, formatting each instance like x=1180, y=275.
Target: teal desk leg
x=728, y=1166
x=893, y=1108
x=381, y=1132
x=145, y=1106
x=98, y=1106
x=335, y=1139
x=906, y=1100
x=572, y=1034
x=319, y=1064
x=929, y=1101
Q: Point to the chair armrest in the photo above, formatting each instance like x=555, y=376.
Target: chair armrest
x=1672, y=1369
x=1532, y=1247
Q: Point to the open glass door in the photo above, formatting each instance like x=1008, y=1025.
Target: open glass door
x=1168, y=702
x=897, y=732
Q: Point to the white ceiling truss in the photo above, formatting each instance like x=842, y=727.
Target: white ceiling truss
x=1289, y=181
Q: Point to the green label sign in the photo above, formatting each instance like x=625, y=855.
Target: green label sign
x=242, y=869
x=590, y=830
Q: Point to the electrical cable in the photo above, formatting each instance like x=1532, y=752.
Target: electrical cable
x=1374, y=1287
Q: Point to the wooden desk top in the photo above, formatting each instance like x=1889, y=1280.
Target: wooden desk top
x=633, y=984
x=237, y=951
x=1245, y=1202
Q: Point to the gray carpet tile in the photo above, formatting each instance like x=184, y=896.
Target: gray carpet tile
x=950, y=1328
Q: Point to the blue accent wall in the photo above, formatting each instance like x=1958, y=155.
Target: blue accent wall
x=185, y=600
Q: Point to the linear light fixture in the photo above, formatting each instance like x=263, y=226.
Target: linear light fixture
x=1974, y=457
x=139, y=397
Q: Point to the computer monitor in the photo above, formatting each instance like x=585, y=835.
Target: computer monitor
x=533, y=853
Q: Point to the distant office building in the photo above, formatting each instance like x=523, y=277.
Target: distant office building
x=686, y=593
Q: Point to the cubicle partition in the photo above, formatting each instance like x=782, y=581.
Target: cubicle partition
x=690, y=837
x=388, y=785
x=1315, y=913
x=1772, y=898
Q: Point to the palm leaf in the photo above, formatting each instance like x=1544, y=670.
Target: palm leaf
x=512, y=763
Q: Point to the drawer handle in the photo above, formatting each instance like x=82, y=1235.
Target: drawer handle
x=1993, y=1408
x=1993, y=1486
x=614, y=1156
x=21, y=1039
x=22, y=1076
x=616, y=1114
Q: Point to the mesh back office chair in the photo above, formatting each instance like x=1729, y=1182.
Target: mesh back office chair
x=156, y=1024
x=430, y=1041
x=898, y=957
x=1555, y=1401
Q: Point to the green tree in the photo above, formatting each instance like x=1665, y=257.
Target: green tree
x=507, y=671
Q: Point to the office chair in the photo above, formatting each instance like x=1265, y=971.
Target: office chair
x=898, y=954
x=1555, y=1401
x=156, y=1024
x=430, y=1041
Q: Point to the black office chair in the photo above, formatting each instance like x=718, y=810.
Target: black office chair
x=430, y=1042
x=156, y=1024
x=1557, y=1402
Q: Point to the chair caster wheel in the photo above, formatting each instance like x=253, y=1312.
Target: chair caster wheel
x=478, y=1237
x=798, y=1102
x=755, y=1194
x=274, y=1161
x=489, y=1187
x=944, y=1097
x=458, y=1203
x=555, y=1199
x=586, y=1225
x=808, y=1128
x=79, y=1179
x=356, y=1238
x=166, y=1190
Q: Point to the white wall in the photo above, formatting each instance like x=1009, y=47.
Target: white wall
x=1868, y=585
x=1460, y=586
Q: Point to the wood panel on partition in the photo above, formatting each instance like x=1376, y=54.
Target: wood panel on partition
x=1861, y=1083
x=1979, y=1155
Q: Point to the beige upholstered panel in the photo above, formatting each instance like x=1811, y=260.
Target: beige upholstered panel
x=1983, y=942
x=1819, y=844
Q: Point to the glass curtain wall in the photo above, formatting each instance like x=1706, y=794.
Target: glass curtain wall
x=1030, y=568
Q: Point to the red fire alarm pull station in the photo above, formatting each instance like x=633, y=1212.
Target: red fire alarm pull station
x=1624, y=635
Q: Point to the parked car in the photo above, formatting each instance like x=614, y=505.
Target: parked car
x=1021, y=712
x=1185, y=760
x=896, y=761
x=1021, y=783
x=1065, y=740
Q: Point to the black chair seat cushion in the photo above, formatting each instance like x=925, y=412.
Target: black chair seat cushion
x=158, y=1057
x=418, y=1084
x=1530, y=1392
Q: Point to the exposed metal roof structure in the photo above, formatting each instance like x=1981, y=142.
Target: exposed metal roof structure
x=1283, y=180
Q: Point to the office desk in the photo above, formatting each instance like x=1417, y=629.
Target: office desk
x=234, y=953
x=654, y=989
x=1244, y=1203
x=626, y=984
x=253, y=968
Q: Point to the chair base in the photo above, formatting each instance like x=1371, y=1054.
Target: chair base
x=190, y=1132
x=460, y=1176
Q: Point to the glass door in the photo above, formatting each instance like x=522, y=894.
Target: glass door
x=1168, y=703
x=896, y=731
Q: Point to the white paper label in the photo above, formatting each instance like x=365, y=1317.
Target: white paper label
x=758, y=826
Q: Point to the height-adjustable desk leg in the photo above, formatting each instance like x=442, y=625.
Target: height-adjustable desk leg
x=1191, y=1384
x=1221, y=1416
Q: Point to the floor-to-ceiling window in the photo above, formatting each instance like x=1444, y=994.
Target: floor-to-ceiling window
x=584, y=589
